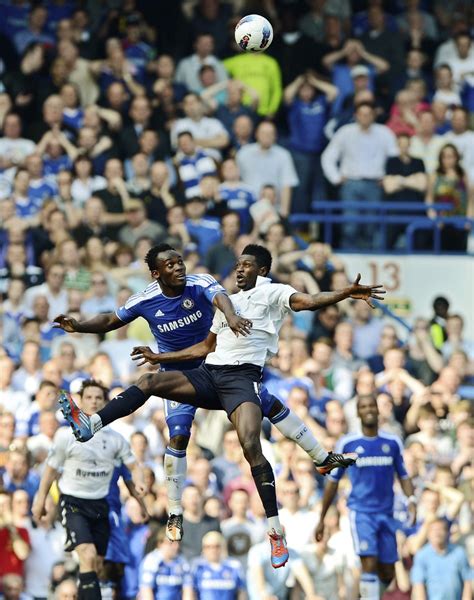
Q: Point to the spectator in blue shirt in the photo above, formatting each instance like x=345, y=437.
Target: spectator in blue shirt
x=441, y=570
x=192, y=163
x=205, y=231
x=215, y=577
x=342, y=64
x=307, y=116
x=35, y=32
x=15, y=17
x=136, y=50
x=17, y=475
x=238, y=196
x=40, y=188
x=137, y=532
x=163, y=574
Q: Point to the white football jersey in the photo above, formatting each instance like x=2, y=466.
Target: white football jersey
x=266, y=305
x=87, y=468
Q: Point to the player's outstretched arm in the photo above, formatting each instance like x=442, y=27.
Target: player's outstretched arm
x=330, y=492
x=144, y=354
x=99, y=324
x=37, y=509
x=355, y=291
x=238, y=325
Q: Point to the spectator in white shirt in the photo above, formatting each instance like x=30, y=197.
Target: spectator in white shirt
x=446, y=91
x=426, y=145
x=85, y=183
x=455, y=339
x=208, y=133
x=299, y=522
x=13, y=148
x=266, y=163
x=11, y=400
x=463, y=139
x=188, y=69
x=101, y=301
x=52, y=289
x=355, y=159
x=460, y=58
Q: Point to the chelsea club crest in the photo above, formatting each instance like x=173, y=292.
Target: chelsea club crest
x=187, y=303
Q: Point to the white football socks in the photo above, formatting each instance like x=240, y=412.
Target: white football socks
x=274, y=524
x=293, y=428
x=369, y=586
x=175, y=466
x=96, y=423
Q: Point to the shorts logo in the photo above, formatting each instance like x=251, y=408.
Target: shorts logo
x=385, y=448
x=173, y=404
x=364, y=545
x=187, y=303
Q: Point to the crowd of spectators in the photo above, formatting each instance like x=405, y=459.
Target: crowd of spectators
x=124, y=124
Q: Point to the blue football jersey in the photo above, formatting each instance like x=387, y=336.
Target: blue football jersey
x=220, y=582
x=179, y=322
x=165, y=578
x=372, y=477
x=113, y=497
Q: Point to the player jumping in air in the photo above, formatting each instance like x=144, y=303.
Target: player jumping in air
x=230, y=379
x=371, y=498
x=179, y=312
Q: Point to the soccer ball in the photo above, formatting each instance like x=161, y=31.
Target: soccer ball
x=254, y=33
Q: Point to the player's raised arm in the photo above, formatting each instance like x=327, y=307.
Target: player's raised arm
x=145, y=354
x=237, y=324
x=355, y=291
x=98, y=324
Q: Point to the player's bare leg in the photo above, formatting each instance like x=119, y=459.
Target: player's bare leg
x=89, y=567
x=247, y=420
x=386, y=572
x=369, y=586
x=171, y=384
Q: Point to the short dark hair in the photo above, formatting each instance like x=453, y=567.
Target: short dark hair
x=180, y=135
x=441, y=301
x=87, y=383
x=47, y=383
x=263, y=257
x=152, y=254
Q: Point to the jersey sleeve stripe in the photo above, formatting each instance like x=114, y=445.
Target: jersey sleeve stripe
x=393, y=438
x=142, y=296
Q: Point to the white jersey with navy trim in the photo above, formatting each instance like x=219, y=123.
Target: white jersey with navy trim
x=266, y=305
x=372, y=477
x=87, y=468
x=177, y=322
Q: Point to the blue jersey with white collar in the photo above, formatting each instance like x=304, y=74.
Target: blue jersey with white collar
x=372, y=477
x=179, y=322
x=218, y=582
x=165, y=578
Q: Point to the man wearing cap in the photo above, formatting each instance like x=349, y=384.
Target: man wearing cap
x=349, y=64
